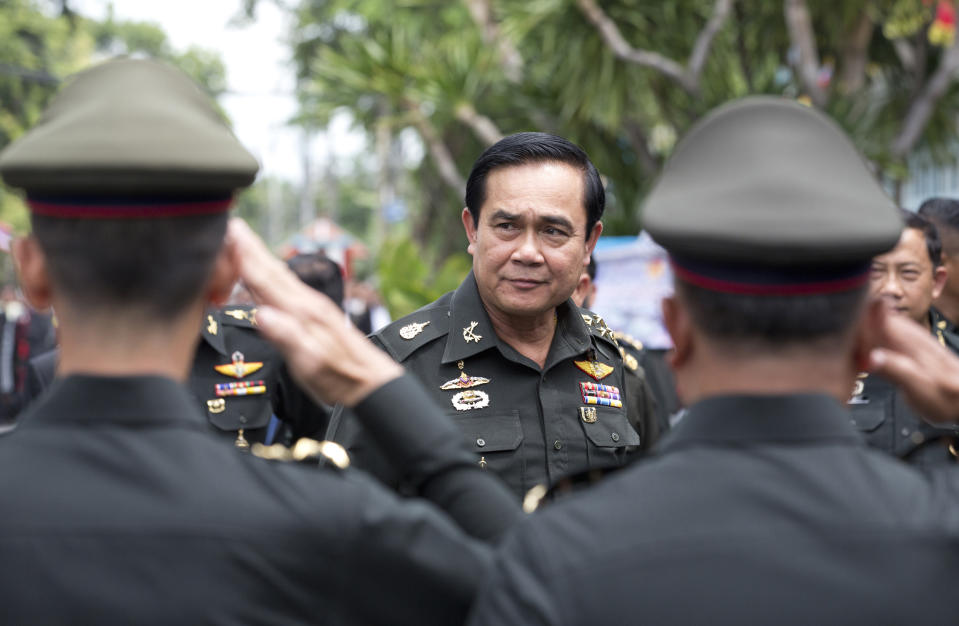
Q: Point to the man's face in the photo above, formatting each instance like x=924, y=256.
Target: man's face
x=905, y=279
x=530, y=245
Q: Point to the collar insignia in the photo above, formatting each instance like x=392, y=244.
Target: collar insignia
x=595, y=369
x=469, y=335
x=242, y=314
x=211, y=325
x=411, y=330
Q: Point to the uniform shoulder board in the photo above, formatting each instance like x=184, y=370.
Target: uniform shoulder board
x=622, y=337
x=598, y=328
x=629, y=360
x=309, y=451
x=243, y=315
x=408, y=334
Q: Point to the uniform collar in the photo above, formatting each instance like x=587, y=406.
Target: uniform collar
x=120, y=400
x=742, y=420
x=212, y=330
x=466, y=307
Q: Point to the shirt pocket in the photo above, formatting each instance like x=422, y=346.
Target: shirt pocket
x=497, y=440
x=236, y=412
x=609, y=429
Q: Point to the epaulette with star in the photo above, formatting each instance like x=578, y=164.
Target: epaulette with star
x=408, y=334
x=597, y=326
x=240, y=315
x=625, y=338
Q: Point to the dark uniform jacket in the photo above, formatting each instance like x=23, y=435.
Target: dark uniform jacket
x=755, y=510
x=232, y=352
x=881, y=413
x=120, y=507
x=528, y=425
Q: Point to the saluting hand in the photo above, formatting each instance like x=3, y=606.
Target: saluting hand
x=927, y=372
x=329, y=358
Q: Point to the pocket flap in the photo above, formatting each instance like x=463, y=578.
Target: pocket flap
x=611, y=429
x=867, y=417
x=492, y=433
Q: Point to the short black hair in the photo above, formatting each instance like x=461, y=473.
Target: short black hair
x=156, y=267
x=591, y=268
x=929, y=233
x=944, y=213
x=771, y=320
x=525, y=148
x=321, y=273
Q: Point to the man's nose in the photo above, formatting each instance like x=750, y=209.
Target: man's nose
x=528, y=248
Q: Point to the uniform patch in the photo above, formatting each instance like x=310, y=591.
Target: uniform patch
x=604, y=395
x=595, y=369
x=465, y=381
x=469, y=335
x=245, y=388
x=588, y=414
x=239, y=367
x=412, y=330
x=470, y=399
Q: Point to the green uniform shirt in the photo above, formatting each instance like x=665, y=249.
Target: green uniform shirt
x=529, y=425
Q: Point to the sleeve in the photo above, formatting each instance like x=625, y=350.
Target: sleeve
x=516, y=590
x=401, y=419
x=295, y=407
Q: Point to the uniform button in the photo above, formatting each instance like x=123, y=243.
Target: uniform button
x=904, y=432
x=243, y=419
x=558, y=445
x=918, y=438
x=481, y=442
x=614, y=436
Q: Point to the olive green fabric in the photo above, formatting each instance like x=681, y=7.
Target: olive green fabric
x=768, y=180
x=129, y=127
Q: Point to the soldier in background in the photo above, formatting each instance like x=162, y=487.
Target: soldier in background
x=944, y=213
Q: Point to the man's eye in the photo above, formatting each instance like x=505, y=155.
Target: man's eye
x=554, y=232
x=910, y=274
x=506, y=225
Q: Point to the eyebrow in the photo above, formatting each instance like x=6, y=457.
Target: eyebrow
x=556, y=220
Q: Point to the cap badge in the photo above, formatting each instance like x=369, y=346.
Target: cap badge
x=216, y=405
x=411, y=330
x=603, y=395
x=469, y=335
x=244, y=388
x=595, y=369
x=470, y=399
x=211, y=325
x=588, y=413
x=238, y=368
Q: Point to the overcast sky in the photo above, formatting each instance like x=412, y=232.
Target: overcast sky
x=260, y=77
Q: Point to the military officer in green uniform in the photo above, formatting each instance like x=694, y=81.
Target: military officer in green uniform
x=944, y=213
x=534, y=382
x=908, y=278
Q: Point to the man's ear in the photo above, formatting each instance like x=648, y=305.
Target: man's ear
x=470, y=228
x=678, y=325
x=867, y=332
x=939, y=277
x=33, y=272
x=592, y=239
x=224, y=275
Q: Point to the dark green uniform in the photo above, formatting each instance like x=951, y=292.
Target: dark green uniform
x=529, y=425
x=231, y=351
x=880, y=412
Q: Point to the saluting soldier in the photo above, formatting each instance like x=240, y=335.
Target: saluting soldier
x=762, y=505
x=119, y=506
x=534, y=382
x=907, y=279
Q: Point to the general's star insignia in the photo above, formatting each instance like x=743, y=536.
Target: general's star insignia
x=470, y=399
x=469, y=335
x=412, y=330
x=595, y=369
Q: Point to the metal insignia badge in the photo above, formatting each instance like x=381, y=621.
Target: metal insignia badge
x=239, y=367
x=211, y=325
x=470, y=399
x=595, y=369
x=603, y=395
x=469, y=335
x=588, y=413
x=465, y=381
x=858, y=387
x=241, y=314
x=217, y=405
x=411, y=330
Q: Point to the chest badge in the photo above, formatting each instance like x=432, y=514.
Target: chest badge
x=465, y=381
x=470, y=399
x=217, y=405
x=588, y=413
x=603, y=395
x=412, y=330
x=595, y=369
x=469, y=335
x=211, y=325
x=244, y=388
x=239, y=367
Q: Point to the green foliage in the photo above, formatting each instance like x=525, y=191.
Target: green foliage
x=406, y=281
